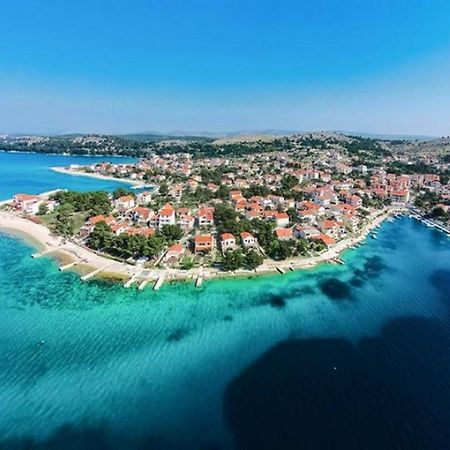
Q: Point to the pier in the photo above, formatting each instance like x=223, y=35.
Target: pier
x=132, y=280
x=93, y=273
x=159, y=282
x=199, y=280
x=45, y=252
x=68, y=266
x=143, y=284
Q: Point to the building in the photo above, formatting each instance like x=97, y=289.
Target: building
x=140, y=214
x=124, y=203
x=205, y=217
x=27, y=203
x=166, y=215
x=174, y=253
x=92, y=221
x=227, y=242
x=144, y=198
x=248, y=240
x=283, y=234
x=203, y=243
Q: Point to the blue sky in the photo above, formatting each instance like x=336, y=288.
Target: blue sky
x=120, y=66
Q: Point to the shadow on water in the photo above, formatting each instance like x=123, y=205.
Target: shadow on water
x=440, y=280
x=99, y=437
x=387, y=392
x=373, y=268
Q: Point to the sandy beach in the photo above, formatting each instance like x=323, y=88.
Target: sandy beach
x=76, y=173
x=76, y=256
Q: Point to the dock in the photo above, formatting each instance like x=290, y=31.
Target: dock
x=93, y=273
x=199, y=281
x=132, y=280
x=45, y=252
x=68, y=266
x=159, y=282
x=143, y=284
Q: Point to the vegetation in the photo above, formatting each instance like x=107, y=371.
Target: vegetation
x=126, y=245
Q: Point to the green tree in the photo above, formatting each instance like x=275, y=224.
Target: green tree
x=101, y=236
x=120, y=192
x=64, y=222
x=163, y=189
x=172, y=232
x=42, y=210
x=233, y=260
x=253, y=259
x=279, y=250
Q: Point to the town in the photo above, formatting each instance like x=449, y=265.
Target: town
x=247, y=208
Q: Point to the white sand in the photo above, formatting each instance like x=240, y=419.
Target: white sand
x=50, y=243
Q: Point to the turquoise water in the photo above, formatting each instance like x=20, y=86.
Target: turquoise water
x=31, y=172
x=217, y=367
x=337, y=357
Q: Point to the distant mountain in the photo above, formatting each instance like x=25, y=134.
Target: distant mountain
x=390, y=137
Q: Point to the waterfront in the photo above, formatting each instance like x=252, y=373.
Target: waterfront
x=358, y=352
x=32, y=173
x=339, y=356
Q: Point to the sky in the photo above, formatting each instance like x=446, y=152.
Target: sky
x=380, y=66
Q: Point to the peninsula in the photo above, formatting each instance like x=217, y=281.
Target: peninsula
x=254, y=210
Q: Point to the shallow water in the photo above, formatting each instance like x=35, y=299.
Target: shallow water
x=31, y=173
x=354, y=356
x=342, y=357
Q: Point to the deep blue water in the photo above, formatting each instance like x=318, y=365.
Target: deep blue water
x=338, y=357
x=31, y=172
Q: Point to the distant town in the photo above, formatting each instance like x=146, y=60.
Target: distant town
x=246, y=204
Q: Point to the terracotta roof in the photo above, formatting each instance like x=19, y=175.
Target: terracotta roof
x=203, y=239
x=125, y=198
x=226, y=236
x=327, y=240
x=283, y=232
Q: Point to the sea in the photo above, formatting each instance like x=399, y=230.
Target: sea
x=353, y=356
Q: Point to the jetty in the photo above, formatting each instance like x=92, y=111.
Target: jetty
x=68, y=266
x=143, y=284
x=132, y=280
x=45, y=252
x=199, y=279
x=159, y=282
x=94, y=272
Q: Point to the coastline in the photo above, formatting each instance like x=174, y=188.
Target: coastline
x=97, y=266
x=75, y=173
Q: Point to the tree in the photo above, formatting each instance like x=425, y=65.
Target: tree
x=293, y=215
x=279, y=250
x=101, y=236
x=42, y=210
x=120, y=192
x=64, y=221
x=163, y=189
x=263, y=231
x=253, y=259
x=225, y=219
x=233, y=260
x=302, y=247
x=172, y=232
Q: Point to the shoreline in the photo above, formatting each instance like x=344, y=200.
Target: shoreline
x=75, y=173
x=75, y=255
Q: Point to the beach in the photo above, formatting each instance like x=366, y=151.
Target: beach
x=90, y=264
x=77, y=173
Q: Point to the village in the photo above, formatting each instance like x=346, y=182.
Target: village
x=232, y=212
